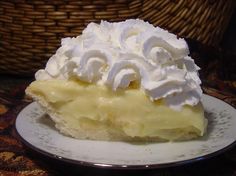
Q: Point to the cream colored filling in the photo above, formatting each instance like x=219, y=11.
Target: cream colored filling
x=128, y=112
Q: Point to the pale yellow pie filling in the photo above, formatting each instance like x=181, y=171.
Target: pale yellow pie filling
x=98, y=112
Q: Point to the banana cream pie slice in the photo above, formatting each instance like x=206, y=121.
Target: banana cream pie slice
x=122, y=81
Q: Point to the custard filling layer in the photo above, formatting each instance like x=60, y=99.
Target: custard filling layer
x=129, y=112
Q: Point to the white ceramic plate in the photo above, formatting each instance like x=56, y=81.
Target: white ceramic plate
x=38, y=132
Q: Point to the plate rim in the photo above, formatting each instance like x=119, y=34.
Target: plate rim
x=123, y=166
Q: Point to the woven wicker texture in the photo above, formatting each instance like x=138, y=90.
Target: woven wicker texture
x=30, y=30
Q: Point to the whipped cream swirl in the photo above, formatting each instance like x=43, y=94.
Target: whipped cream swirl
x=117, y=54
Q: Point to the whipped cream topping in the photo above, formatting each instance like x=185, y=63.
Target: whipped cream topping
x=117, y=54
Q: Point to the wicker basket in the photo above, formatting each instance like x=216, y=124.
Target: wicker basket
x=30, y=30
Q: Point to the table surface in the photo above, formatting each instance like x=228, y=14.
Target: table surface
x=18, y=160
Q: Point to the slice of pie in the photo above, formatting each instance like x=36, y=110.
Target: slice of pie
x=122, y=81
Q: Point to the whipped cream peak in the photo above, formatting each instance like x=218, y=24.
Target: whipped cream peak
x=117, y=54
x=92, y=64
